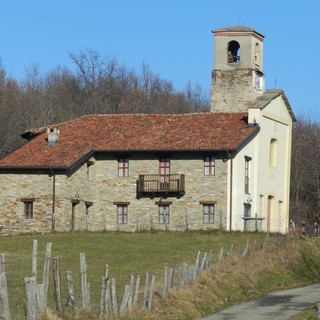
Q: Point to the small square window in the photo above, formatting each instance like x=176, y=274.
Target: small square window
x=208, y=213
x=122, y=214
x=28, y=210
x=209, y=166
x=164, y=214
x=123, y=168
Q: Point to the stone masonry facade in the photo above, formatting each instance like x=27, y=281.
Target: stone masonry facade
x=88, y=198
x=233, y=90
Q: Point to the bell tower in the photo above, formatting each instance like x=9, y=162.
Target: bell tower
x=237, y=78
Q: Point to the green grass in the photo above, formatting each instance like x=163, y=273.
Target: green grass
x=125, y=253
x=287, y=262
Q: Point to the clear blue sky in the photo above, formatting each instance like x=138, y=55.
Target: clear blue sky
x=172, y=36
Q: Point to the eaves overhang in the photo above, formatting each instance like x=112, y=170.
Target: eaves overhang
x=248, y=139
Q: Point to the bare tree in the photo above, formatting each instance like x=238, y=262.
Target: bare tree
x=305, y=171
x=97, y=85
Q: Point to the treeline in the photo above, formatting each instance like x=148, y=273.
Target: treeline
x=305, y=171
x=97, y=85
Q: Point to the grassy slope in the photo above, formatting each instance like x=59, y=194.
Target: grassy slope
x=143, y=252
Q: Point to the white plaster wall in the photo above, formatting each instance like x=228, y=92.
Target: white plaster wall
x=275, y=123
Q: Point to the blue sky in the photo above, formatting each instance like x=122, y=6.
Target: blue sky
x=172, y=36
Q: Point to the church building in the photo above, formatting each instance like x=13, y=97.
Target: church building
x=225, y=169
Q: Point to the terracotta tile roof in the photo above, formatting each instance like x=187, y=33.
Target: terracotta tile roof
x=132, y=132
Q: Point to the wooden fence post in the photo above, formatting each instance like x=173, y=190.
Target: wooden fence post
x=171, y=276
x=84, y=282
x=196, y=267
x=34, y=258
x=145, y=292
x=114, y=298
x=41, y=299
x=221, y=254
x=57, y=285
x=136, y=292
x=153, y=282
x=46, y=273
x=104, y=292
x=4, y=298
x=71, y=302
x=203, y=261
x=125, y=298
x=130, y=297
x=31, y=298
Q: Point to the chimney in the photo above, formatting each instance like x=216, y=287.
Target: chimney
x=53, y=136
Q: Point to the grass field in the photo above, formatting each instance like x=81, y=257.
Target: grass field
x=125, y=253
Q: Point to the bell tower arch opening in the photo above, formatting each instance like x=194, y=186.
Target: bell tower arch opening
x=233, y=51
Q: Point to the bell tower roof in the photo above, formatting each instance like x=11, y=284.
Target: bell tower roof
x=238, y=29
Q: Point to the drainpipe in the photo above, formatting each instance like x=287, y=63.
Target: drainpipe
x=52, y=174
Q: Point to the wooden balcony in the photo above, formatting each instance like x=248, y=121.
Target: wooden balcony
x=153, y=185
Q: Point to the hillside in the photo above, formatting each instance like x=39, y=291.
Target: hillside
x=269, y=263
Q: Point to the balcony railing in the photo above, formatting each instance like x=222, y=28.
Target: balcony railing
x=156, y=184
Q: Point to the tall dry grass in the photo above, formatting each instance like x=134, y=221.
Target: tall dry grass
x=236, y=279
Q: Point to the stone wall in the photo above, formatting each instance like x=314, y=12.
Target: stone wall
x=92, y=193
x=232, y=90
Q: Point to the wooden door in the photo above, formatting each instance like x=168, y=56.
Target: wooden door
x=164, y=174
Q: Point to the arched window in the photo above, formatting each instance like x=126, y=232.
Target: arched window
x=257, y=55
x=273, y=152
x=233, y=52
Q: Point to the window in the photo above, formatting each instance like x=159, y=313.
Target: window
x=247, y=162
x=247, y=210
x=28, y=207
x=89, y=164
x=209, y=166
x=122, y=213
x=273, y=152
x=208, y=213
x=233, y=52
x=164, y=213
x=123, y=168
x=164, y=168
x=257, y=55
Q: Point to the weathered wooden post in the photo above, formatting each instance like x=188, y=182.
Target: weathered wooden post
x=84, y=282
x=31, y=298
x=57, y=285
x=71, y=302
x=153, y=282
x=145, y=292
x=125, y=299
x=4, y=298
x=130, y=297
x=196, y=266
x=34, y=258
x=114, y=298
x=136, y=292
x=46, y=273
x=105, y=303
